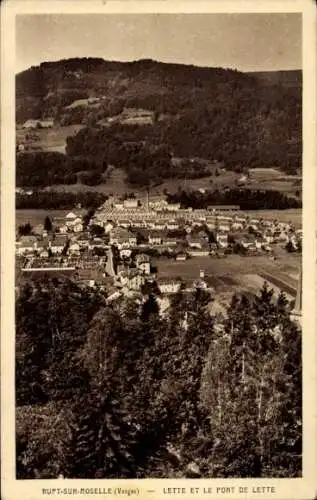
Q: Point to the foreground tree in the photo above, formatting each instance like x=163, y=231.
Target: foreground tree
x=249, y=392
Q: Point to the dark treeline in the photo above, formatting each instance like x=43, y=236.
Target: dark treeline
x=48, y=168
x=247, y=199
x=118, y=391
x=59, y=200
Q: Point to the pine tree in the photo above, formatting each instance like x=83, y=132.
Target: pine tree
x=47, y=224
x=101, y=439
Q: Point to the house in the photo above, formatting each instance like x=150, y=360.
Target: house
x=130, y=203
x=199, y=252
x=125, y=253
x=96, y=243
x=268, y=238
x=173, y=207
x=280, y=236
x=135, y=281
x=252, y=247
x=242, y=180
x=108, y=226
x=222, y=239
x=58, y=244
x=143, y=263
x=74, y=248
x=78, y=227
x=26, y=244
x=172, y=225
x=122, y=238
x=259, y=242
x=169, y=241
x=119, y=206
x=48, y=123
x=266, y=223
x=294, y=240
x=138, y=224
x=124, y=223
x=83, y=240
x=241, y=220
x=158, y=205
x=168, y=286
x=211, y=224
x=63, y=229
x=181, y=257
x=71, y=216
x=44, y=253
x=159, y=225
x=150, y=223
x=267, y=248
x=194, y=241
x=225, y=208
x=132, y=279
x=155, y=238
x=236, y=226
x=30, y=124
x=224, y=226
x=202, y=235
x=200, y=283
x=247, y=241
x=72, y=222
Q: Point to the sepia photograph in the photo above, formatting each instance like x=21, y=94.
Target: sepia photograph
x=158, y=275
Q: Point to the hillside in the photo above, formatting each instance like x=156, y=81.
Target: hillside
x=288, y=79
x=143, y=113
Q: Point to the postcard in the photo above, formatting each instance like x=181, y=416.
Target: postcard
x=158, y=249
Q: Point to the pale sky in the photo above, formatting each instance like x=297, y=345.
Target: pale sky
x=247, y=42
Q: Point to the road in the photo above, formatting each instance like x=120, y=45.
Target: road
x=109, y=264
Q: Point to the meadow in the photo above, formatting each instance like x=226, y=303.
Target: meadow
x=53, y=139
x=235, y=273
x=35, y=217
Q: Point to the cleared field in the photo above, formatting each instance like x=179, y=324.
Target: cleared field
x=262, y=172
x=53, y=139
x=35, y=217
x=291, y=215
x=272, y=178
x=235, y=273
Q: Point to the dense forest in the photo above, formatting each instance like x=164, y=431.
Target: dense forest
x=217, y=114
x=246, y=199
x=59, y=200
x=40, y=169
x=118, y=391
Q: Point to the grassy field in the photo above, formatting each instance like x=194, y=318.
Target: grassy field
x=272, y=178
x=292, y=215
x=235, y=273
x=35, y=217
x=115, y=183
x=53, y=139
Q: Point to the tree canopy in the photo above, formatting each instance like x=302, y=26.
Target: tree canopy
x=122, y=391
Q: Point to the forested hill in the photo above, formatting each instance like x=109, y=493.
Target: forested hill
x=212, y=113
x=290, y=79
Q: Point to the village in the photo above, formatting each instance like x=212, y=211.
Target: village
x=121, y=247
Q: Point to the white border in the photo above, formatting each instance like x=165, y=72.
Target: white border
x=304, y=488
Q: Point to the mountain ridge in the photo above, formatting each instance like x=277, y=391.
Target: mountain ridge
x=240, y=119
